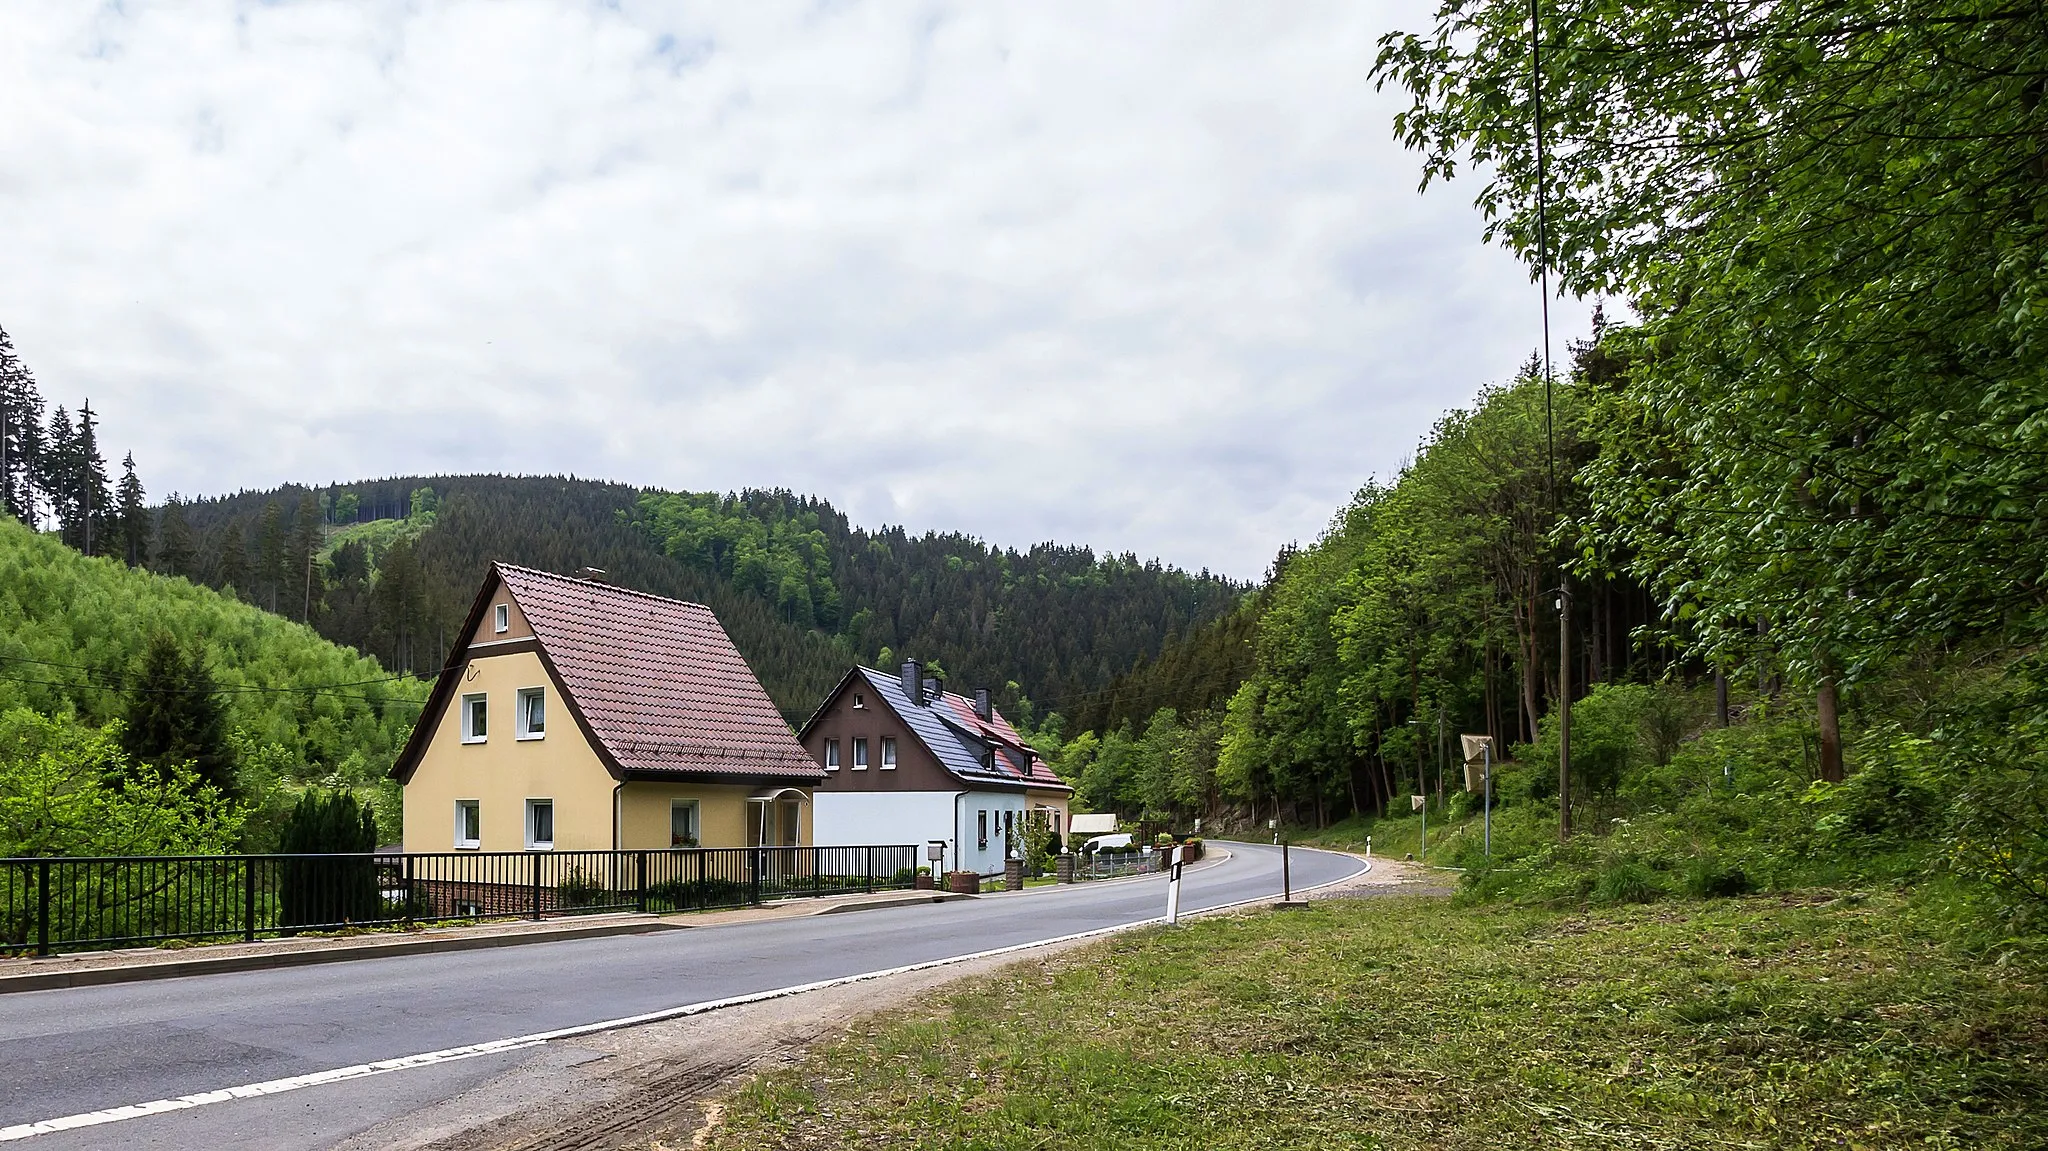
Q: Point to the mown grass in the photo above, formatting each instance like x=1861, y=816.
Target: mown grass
x=1409, y=1023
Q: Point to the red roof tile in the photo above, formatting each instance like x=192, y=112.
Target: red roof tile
x=657, y=681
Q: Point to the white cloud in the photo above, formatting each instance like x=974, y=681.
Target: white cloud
x=1152, y=277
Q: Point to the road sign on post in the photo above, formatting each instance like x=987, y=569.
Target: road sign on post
x=1173, y=888
x=1479, y=754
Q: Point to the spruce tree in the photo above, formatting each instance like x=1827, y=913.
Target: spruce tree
x=55, y=466
x=302, y=576
x=21, y=418
x=95, y=494
x=270, y=559
x=329, y=892
x=134, y=517
x=173, y=555
x=230, y=566
x=175, y=715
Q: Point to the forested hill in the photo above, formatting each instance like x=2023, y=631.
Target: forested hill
x=74, y=629
x=804, y=592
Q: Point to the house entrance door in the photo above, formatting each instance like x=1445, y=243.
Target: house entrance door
x=774, y=828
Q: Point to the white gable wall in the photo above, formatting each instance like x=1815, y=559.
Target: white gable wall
x=852, y=818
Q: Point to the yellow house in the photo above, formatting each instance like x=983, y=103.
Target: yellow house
x=580, y=716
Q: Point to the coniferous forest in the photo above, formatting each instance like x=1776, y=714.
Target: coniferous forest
x=804, y=593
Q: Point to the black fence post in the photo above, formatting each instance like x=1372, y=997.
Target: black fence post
x=640, y=881
x=817, y=872
x=406, y=888
x=43, y=907
x=249, y=900
x=871, y=870
x=536, y=885
x=756, y=858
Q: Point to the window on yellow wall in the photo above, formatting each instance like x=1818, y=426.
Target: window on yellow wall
x=469, y=830
x=532, y=714
x=540, y=824
x=475, y=713
x=682, y=823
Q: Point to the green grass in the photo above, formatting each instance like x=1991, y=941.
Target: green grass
x=375, y=535
x=1392, y=837
x=1841, y=1022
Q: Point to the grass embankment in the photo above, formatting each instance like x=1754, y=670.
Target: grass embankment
x=1408, y=1023
x=1393, y=837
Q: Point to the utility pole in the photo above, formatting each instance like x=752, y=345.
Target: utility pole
x=1564, y=592
x=1564, y=710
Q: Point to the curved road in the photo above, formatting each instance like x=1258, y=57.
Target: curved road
x=83, y=1050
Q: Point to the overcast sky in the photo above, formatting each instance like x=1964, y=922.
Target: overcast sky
x=1151, y=277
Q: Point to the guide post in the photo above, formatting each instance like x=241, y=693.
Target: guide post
x=1173, y=888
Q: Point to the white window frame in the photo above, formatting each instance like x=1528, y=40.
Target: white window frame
x=519, y=713
x=831, y=755
x=532, y=843
x=888, y=753
x=501, y=621
x=860, y=753
x=462, y=825
x=696, y=821
x=859, y=704
x=469, y=735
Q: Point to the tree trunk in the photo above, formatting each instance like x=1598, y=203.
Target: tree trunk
x=1827, y=702
x=1720, y=698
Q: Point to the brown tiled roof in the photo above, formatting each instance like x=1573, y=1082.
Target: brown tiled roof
x=1015, y=757
x=656, y=681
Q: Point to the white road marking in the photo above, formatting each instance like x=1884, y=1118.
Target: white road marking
x=499, y=1046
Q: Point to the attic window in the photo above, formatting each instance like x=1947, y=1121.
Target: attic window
x=502, y=621
x=533, y=713
x=859, y=703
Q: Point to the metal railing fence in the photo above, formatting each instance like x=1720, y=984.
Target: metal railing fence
x=1116, y=864
x=58, y=904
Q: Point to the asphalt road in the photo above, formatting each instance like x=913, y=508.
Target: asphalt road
x=74, y=1051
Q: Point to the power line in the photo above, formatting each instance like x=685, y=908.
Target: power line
x=317, y=688
x=137, y=689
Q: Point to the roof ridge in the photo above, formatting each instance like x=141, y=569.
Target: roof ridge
x=522, y=568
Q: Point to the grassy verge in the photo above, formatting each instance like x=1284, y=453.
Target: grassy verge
x=1408, y=1023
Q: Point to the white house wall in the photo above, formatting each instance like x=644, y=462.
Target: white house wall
x=850, y=818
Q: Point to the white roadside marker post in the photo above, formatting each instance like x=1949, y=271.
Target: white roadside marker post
x=1173, y=889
